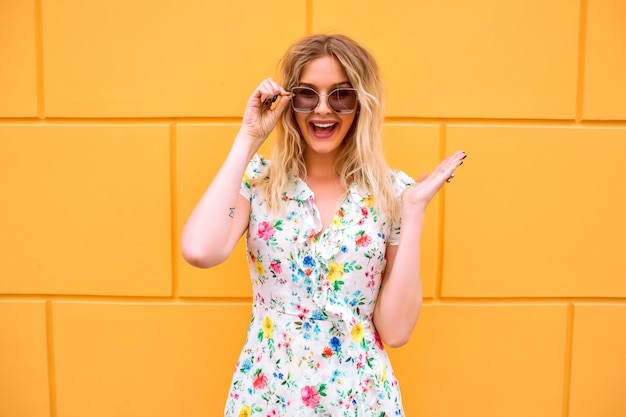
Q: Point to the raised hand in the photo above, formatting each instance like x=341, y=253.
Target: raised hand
x=427, y=186
x=264, y=108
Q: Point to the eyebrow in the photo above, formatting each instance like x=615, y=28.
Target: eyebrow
x=337, y=85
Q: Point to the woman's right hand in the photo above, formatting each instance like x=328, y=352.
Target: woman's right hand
x=264, y=108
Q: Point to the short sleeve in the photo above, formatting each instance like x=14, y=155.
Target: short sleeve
x=256, y=168
x=401, y=181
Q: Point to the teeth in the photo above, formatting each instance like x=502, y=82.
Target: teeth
x=323, y=125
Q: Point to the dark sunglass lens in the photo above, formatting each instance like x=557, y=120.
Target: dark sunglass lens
x=304, y=99
x=342, y=100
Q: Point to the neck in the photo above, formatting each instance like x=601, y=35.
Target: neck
x=321, y=167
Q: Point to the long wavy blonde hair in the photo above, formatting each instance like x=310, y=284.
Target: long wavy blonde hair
x=360, y=159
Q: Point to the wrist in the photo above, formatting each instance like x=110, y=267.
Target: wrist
x=247, y=144
x=413, y=208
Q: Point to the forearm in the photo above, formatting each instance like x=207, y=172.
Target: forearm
x=400, y=298
x=214, y=226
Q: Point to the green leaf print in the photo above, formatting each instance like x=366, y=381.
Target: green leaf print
x=351, y=266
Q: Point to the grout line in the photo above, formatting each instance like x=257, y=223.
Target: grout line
x=582, y=56
x=124, y=120
x=440, y=220
x=567, y=371
x=139, y=299
x=534, y=300
x=174, y=209
x=503, y=122
x=52, y=389
x=91, y=298
x=389, y=121
x=308, y=16
x=39, y=59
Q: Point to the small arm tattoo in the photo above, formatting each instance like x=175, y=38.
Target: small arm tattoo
x=232, y=212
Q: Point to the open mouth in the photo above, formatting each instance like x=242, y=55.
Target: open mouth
x=323, y=129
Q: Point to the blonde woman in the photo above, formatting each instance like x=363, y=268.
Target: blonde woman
x=333, y=238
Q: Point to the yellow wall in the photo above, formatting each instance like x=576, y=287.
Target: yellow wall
x=114, y=116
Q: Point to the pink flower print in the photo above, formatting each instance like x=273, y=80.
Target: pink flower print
x=363, y=240
x=265, y=231
x=371, y=278
x=260, y=381
x=275, y=265
x=310, y=396
x=377, y=341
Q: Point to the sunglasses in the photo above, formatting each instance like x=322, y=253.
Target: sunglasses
x=341, y=100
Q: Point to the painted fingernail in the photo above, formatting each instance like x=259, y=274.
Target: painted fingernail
x=266, y=101
x=274, y=99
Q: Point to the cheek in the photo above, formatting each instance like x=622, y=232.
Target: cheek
x=347, y=124
x=301, y=121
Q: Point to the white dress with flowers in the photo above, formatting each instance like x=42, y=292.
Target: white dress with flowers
x=311, y=348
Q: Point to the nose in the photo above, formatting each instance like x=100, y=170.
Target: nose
x=322, y=104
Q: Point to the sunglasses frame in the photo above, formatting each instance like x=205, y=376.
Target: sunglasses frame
x=306, y=110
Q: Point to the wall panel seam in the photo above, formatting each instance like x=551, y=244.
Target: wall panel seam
x=582, y=56
x=52, y=391
x=567, y=371
x=390, y=120
x=39, y=60
x=146, y=299
x=441, y=220
x=174, y=209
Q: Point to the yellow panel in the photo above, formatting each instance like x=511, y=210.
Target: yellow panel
x=201, y=151
x=414, y=149
x=86, y=210
x=598, y=361
x=605, y=66
x=23, y=359
x=18, y=82
x=455, y=58
x=536, y=212
x=487, y=361
x=146, y=359
x=161, y=59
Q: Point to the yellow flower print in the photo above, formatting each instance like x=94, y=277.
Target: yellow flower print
x=369, y=201
x=245, y=411
x=357, y=332
x=384, y=377
x=336, y=272
x=336, y=220
x=268, y=328
x=259, y=267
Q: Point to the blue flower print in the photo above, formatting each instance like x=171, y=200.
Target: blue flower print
x=335, y=344
x=308, y=261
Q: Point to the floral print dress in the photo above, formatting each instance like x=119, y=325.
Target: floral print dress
x=312, y=349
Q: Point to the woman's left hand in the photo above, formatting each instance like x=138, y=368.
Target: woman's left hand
x=427, y=186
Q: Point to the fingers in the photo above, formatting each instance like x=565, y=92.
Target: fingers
x=450, y=164
x=268, y=92
x=445, y=170
x=264, y=108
